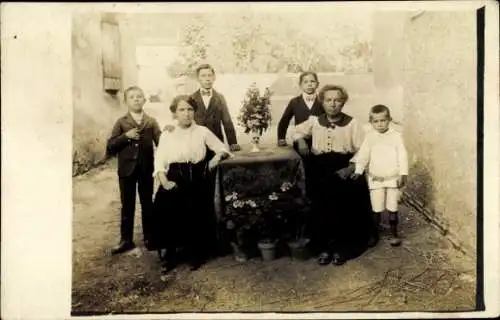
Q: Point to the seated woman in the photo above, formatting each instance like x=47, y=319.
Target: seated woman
x=341, y=222
x=180, y=214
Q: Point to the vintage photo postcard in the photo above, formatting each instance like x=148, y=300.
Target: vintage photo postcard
x=250, y=160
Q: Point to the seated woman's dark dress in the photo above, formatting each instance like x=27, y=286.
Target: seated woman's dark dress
x=341, y=215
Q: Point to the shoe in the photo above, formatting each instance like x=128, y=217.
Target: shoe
x=395, y=241
x=193, y=266
x=338, y=259
x=324, y=258
x=124, y=246
x=168, y=266
x=196, y=263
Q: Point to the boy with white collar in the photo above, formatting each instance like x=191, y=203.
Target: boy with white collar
x=383, y=155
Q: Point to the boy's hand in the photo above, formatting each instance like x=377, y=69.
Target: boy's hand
x=402, y=181
x=346, y=172
x=235, y=147
x=133, y=134
x=303, y=148
x=282, y=143
x=170, y=128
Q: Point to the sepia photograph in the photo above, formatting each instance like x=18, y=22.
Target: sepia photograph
x=293, y=159
x=239, y=161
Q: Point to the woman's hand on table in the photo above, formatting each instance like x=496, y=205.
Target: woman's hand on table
x=217, y=158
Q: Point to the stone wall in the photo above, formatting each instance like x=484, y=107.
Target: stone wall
x=95, y=110
x=436, y=66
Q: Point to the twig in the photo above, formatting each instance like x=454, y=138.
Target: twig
x=418, y=275
x=415, y=285
x=373, y=297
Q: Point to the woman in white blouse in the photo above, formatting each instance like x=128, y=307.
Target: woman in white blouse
x=341, y=224
x=181, y=218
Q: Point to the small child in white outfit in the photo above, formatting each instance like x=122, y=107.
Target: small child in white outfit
x=383, y=155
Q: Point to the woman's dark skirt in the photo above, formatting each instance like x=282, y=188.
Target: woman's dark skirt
x=180, y=215
x=341, y=210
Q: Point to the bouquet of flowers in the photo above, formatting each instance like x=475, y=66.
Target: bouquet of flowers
x=255, y=114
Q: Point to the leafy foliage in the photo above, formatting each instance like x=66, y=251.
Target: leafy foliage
x=271, y=217
x=255, y=114
x=256, y=43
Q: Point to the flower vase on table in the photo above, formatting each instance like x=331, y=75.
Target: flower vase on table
x=255, y=114
x=255, y=134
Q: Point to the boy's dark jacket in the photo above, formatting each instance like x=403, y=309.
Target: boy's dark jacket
x=134, y=152
x=298, y=109
x=214, y=115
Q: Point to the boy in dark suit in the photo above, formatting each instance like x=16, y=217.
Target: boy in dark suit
x=212, y=112
x=300, y=108
x=211, y=107
x=132, y=141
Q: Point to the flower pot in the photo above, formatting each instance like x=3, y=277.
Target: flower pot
x=298, y=249
x=267, y=250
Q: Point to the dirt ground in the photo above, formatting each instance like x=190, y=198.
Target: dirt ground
x=424, y=274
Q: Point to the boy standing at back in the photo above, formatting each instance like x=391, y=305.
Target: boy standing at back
x=212, y=111
x=132, y=141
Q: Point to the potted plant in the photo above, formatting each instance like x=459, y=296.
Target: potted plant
x=267, y=243
x=240, y=221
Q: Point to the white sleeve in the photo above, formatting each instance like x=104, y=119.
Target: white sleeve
x=358, y=133
x=362, y=157
x=160, y=162
x=214, y=143
x=402, y=156
x=303, y=130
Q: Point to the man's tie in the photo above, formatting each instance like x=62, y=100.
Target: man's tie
x=310, y=98
x=205, y=92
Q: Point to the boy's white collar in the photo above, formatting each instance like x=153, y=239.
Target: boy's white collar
x=136, y=115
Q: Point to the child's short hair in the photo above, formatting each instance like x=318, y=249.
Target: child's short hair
x=332, y=87
x=378, y=109
x=131, y=88
x=179, y=98
x=204, y=66
x=308, y=73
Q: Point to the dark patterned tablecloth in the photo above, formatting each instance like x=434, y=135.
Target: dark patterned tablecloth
x=272, y=180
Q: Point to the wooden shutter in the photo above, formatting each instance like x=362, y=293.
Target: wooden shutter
x=111, y=60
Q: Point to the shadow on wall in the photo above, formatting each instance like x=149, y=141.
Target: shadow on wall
x=91, y=129
x=420, y=184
